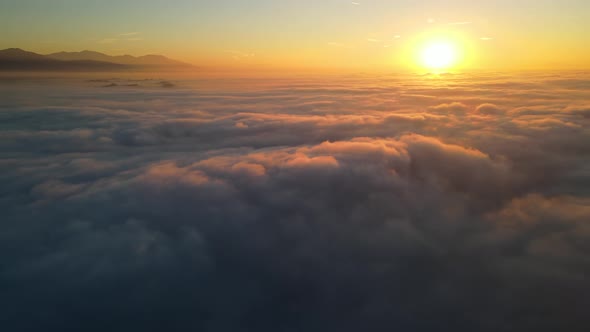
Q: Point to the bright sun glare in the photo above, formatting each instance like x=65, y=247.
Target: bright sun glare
x=439, y=55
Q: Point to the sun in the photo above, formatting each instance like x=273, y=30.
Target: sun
x=438, y=55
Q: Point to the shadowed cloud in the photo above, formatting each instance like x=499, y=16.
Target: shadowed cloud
x=403, y=203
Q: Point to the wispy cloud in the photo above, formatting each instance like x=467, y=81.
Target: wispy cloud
x=127, y=36
x=239, y=55
x=460, y=23
x=108, y=40
x=486, y=38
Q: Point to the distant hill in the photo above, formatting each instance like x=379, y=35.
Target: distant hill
x=16, y=54
x=14, y=59
x=146, y=60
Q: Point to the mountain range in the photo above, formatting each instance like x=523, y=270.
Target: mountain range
x=15, y=59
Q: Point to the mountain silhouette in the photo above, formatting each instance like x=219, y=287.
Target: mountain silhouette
x=146, y=60
x=16, y=54
x=15, y=59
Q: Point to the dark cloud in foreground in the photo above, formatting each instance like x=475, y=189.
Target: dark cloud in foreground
x=350, y=204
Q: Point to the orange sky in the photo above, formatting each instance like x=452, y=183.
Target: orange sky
x=333, y=34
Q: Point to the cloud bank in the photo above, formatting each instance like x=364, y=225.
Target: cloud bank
x=304, y=204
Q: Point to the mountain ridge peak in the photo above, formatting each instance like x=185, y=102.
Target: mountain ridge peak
x=19, y=59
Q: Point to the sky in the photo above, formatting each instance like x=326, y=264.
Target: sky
x=363, y=34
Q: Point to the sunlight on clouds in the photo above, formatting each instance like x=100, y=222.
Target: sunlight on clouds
x=267, y=193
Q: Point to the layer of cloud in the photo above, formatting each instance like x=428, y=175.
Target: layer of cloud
x=350, y=203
